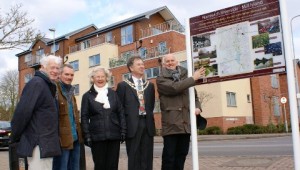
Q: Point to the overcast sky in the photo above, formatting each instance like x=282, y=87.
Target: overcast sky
x=68, y=15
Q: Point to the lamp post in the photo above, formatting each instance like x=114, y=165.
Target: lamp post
x=53, y=30
x=295, y=63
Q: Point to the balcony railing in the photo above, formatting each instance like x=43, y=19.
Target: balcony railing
x=92, y=42
x=35, y=60
x=161, y=28
x=152, y=52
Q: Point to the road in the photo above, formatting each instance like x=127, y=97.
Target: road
x=272, y=153
x=239, y=147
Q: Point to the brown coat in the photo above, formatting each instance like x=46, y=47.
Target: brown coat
x=174, y=102
x=65, y=132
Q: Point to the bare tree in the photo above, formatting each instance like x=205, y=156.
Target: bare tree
x=204, y=97
x=15, y=30
x=9, y=83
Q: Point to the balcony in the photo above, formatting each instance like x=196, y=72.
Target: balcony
x=90, y=43
x=153, y=52
x=161, y=28
x=34, y=61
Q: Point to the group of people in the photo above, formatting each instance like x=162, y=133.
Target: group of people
x=46, y=123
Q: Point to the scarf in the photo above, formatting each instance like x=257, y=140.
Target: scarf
x=175, y=74
x=102, y=96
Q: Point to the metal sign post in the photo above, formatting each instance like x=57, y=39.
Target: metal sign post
x=283, y=101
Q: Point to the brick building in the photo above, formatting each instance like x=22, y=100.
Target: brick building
x=29, y=60
x=153, y=34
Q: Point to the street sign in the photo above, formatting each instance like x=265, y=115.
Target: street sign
x=283, y=100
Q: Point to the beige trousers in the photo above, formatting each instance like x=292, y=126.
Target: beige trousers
x=35, y=162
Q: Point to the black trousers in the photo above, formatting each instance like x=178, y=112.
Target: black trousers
x=176, y=148
x=140, y=149
x=106, y=154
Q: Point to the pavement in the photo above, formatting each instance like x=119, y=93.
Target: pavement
x=206, y=162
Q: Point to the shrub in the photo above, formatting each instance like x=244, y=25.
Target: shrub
x=213, y=130
x=202, y=132
x=235, y=130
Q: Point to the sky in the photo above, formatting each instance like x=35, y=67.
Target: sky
x=68, y=15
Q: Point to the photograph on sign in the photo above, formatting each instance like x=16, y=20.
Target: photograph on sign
x=238, y=42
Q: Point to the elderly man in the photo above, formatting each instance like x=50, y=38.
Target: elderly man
x=69, y=126
x=35, y=121
x=172, y=85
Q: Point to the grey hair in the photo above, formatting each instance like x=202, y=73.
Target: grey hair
x=99, y=68
x=45, y=60
x=164, y=58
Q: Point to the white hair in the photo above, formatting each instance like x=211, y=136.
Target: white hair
x=45, y=60
x=99, y=68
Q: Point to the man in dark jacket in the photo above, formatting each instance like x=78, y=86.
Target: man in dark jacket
x=69, y=126
x=35, y=121
x=173, y=85
x=138, y=97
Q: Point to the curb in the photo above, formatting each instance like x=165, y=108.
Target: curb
x=159, y=139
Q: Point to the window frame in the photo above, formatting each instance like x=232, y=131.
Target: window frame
x=108, y=37
x=143, y=52
x=162, y=48
x=28, y=58
x=27, y=77
x=73, y=63
x=231, y=99
x=151, y=72
x=93, y=58
x=127, y=35
x=56, y=47
x=85, y=44
x=40, y=52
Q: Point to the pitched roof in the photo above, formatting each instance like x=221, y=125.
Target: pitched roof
x=164, y=12
x=48, y=41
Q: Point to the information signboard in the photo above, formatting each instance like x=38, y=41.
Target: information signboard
x=238, y=42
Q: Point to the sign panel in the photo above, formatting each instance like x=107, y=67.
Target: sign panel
x=283, y=100
x=238, y=42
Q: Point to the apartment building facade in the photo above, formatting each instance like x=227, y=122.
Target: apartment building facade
x=29, y=60
x=151, y=35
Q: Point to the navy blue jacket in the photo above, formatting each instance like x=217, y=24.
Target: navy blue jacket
x=35, y=121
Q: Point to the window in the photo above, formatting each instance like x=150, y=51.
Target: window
x=143, y=52
x=40, y=52
x=126, y=76
x=231, y=101
x=111, y=82
x=274, y=81
x=56, y=48
x=75, y=65
x=94, y=60
x=76, y=89
x=152, y=72
x=108, y=37
x=248, y=98
x=27, y=77
x=85, y=44
x=183, y=64
x=276, y=106
x=126, y=35
x=162, y=48
x=28, y=58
